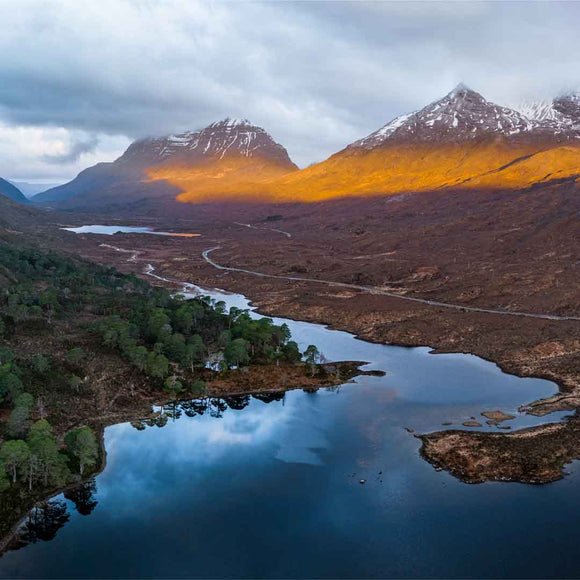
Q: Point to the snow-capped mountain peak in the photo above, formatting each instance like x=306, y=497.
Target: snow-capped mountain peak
x=221, y=139
x=561, y=116
x=465, y=115
x=461, y=115
x=460, y=90
x=539, y=111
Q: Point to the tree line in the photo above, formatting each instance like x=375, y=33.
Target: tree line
x=168, y=338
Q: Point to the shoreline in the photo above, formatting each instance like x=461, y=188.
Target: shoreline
x=507, y=471
x=525, y=348
x=563, y=391
x=348, y=370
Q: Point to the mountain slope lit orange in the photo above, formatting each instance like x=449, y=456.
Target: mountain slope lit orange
x=234, y=178
x=381, y=171
x=461, y=141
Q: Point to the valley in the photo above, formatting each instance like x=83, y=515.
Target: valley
x=289, y=290
x=546, y=346
x=83, y=346
x=423, y=255
x=352, y=439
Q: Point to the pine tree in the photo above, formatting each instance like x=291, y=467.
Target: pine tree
x=82, y=445
x=15, y=456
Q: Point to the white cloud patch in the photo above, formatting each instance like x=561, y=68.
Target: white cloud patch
x=52, y=154
x=90, y=76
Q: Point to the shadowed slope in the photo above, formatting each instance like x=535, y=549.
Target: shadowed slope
x=11, y=192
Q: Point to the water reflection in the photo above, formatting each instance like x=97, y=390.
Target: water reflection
x=46, y=519
x=112, y=230
x=269, y=485
x=83, y=497
x=244, y=487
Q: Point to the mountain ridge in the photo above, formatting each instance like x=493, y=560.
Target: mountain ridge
x=459, y=141
x=465, y=115
x=561, y=113
x=220, y=139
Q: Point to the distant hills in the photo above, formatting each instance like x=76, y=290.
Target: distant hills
x=12, y=192
x=461, y=141
x=31, y=189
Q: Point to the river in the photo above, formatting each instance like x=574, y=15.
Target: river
x=256, y=488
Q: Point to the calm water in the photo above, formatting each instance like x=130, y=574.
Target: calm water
x=112, y=230
x=271, y=489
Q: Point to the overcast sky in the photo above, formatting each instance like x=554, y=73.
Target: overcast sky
x=80, y=80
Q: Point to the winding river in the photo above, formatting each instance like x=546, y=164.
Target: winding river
x=258, y=487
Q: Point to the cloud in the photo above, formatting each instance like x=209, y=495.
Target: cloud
x=316, y=75
x=27, y=153
x=76, y=150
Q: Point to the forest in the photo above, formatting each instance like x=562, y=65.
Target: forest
x=170, y=340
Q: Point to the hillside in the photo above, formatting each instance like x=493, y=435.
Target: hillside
x=11, y=192
x=459, y=142
x=16, y=216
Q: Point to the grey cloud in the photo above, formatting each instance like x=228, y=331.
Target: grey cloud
x=316, y=75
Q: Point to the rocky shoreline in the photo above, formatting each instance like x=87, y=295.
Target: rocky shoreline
x=535, y=455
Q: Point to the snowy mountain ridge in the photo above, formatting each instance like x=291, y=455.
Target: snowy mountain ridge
x=464, y=115
x=219, y=140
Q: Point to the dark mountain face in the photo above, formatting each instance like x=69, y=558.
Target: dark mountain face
x=125, y=181
x=569, y=107
x=10, y=191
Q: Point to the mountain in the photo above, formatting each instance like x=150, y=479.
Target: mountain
x=465, y=116
x=569, y=106
x=227, y=160
x=12, y=192
x=224, y=156
x=461, y=116
x=230, y=138
x=461, y=141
